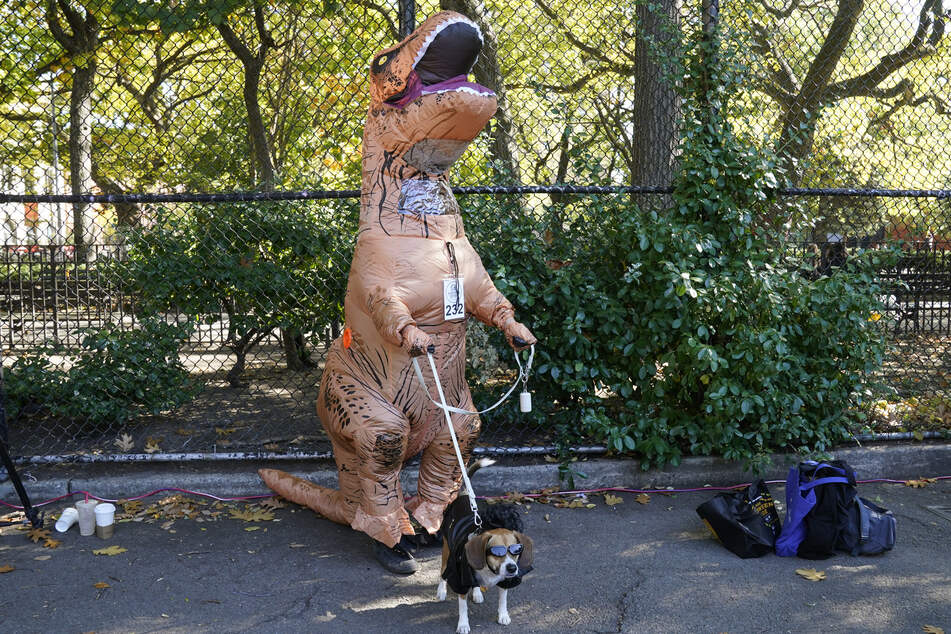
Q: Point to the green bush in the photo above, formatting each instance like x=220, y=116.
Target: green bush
x=265, y=265
x=112, y=377
x=684, y=329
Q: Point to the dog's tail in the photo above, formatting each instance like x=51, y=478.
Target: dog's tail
x=478, y=464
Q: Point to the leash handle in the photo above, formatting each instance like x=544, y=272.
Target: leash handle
x=523, y=374
x=455, y=442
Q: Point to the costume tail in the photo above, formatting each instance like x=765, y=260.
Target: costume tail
x=328, y=502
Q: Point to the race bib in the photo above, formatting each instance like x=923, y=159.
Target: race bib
x=453, y=299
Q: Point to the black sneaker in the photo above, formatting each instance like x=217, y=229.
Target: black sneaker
x=421, y=539
x=398, y=559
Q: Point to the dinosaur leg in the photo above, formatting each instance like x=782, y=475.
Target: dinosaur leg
x=439, y=472
x=380, y=447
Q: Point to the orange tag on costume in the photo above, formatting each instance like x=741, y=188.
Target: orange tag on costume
x=347, y=337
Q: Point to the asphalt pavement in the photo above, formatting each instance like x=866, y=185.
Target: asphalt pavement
x=187, y=563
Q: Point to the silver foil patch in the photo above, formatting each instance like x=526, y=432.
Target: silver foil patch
x=427, y=197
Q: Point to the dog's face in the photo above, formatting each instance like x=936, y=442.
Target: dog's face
x=500, y=552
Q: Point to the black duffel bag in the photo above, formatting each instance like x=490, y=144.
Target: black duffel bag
x=746, y=521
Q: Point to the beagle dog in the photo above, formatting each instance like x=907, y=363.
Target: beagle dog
x=473, y=561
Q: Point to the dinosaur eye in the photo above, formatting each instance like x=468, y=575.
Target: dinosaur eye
x=382, y=59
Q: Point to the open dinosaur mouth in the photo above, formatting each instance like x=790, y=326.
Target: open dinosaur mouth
x=443, y=63
x=451, y=52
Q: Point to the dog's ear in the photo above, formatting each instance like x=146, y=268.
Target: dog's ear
x=475, y=550
x=528, y=550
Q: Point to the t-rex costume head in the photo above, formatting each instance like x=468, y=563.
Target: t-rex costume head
x=410, y=254
x=423, y=115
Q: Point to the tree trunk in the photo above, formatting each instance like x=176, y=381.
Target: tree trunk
x=81, y=43
x=236, y=372
x=656, y=104
x=127, y=214
x=259, y=143
x=80, y=156
x=799, y=121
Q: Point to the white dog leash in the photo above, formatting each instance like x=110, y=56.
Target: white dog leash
x=446, y=409
x=523, y=372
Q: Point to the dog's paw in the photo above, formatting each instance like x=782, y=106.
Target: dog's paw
x=441, y=591
x=477, y=595
x=505, y=619
x=462, y=629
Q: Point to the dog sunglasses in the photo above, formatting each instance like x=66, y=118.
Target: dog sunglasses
x=499, y=551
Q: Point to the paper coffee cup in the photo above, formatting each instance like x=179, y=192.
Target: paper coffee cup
x=105, y=520
x=66, y=519
x=87, y=517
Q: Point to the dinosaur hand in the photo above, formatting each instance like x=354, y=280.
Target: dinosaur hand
x=518, y=336
x=416, y=342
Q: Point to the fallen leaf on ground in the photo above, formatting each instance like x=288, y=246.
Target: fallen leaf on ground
x=43, y=557
x=932, y=629
x=252, y=515
x=152, y=445
x=224, y=431
x=124, y=442
x=132, y=507
x=643, y=498
x=181, y=431
x=6, y=568
x=612, y=500
x=36, y=534
x=101, y=585
x=920, y=483
x=252, y=528
x=111, y=550
x=811, y=574
x=51, y=543
x=272, y=503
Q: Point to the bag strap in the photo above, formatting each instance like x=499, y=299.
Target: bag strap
x=864, y=519
x=819, y=481
x=825, y=465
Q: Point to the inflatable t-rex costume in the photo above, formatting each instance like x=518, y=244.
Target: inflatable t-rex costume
x=401, y=295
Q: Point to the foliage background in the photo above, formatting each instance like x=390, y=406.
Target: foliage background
x=641, y=327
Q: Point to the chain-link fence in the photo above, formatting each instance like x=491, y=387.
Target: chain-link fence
x=200, y=161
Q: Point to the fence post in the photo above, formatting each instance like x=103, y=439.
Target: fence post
x=407, y=17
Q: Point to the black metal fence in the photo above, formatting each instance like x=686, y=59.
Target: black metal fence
x=118, y=118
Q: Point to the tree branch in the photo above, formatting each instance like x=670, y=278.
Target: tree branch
x=786, y=85
x=76, y=23
x=814, y=85
x=920, y=46
x=22, y=116
x=237, y=47
x=384, y=12
x=52, y=19
x=594, y=52
x=576, y=85
x=266, y=40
